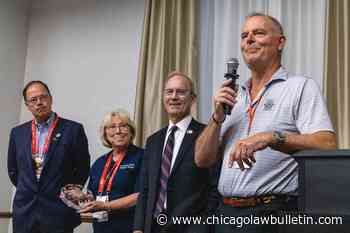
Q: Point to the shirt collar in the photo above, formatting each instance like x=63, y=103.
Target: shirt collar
x=47, y=122
x=182, y=125
x=280, y=74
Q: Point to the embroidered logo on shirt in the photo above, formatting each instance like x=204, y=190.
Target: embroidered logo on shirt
x=127, y=166
x=268, y=105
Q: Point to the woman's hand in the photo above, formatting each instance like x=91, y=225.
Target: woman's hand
x=95, y=206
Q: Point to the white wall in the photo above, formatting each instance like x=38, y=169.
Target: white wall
x=13, y=44
x=87, y=52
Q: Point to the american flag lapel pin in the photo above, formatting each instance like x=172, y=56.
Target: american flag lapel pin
x=190, y=131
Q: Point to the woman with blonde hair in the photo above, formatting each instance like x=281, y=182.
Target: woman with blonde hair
x=114, y=177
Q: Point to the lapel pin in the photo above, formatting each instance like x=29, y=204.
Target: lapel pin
x=57, y=136
x=190, y=131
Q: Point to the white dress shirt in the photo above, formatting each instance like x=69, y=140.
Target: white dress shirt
x=179, y=136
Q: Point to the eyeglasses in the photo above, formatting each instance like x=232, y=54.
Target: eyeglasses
x=122, y=128
x=178, y=92
x=34, y=100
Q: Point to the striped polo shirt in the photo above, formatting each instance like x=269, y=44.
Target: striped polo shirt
x=288, y=103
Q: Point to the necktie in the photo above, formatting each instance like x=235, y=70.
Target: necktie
x=165, y=171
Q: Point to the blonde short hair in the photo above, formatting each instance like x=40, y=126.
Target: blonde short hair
x=124, y=116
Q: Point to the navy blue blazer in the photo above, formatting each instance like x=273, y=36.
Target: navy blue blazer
x=67, y=162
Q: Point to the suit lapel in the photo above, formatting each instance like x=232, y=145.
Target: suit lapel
x=190, y=135
x=28, y=148
x=55, y=138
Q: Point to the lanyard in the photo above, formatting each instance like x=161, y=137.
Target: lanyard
x=35, y=142
x=252, y=108
x=110, y=176
x=251, y=113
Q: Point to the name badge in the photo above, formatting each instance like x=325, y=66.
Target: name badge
x=127, y=166
x=101, y=216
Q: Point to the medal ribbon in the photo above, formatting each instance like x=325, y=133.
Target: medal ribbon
x=35, y=142
x=114, y=170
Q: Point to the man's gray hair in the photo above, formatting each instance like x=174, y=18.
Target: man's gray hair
x=275, y=22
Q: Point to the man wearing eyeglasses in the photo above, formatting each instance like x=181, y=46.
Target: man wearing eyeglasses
x=173, y=185
x=45, y=154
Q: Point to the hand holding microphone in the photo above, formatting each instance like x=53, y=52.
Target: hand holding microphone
x=231, y=74
x=225, y=98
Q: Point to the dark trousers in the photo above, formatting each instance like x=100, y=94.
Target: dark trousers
x=39, y=228
x=156, y=228
x=239, y=220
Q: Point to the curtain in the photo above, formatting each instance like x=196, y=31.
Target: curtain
x=220, y=24
x=337, y=63
x=168, y=44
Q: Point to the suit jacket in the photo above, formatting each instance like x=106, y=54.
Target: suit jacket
x=188, y=185
x=67, y=162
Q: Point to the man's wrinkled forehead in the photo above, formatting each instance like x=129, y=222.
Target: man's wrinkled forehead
x=183, y=81
x=262, y=22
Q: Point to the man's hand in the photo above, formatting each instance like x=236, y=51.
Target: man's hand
x=207, y=144
x=245, y=148
x=225, y=95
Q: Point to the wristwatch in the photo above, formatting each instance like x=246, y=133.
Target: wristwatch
x=280, y=137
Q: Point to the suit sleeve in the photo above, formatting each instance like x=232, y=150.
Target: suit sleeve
x=81, y=157
x=141, y=205
x=11, y=160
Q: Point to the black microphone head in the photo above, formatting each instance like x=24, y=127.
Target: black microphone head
x=232, y=65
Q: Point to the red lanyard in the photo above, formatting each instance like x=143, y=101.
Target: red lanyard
x=251, y=111
x=114, y=170
x=35, y=142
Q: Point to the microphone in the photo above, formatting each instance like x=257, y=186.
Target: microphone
x=231, y=73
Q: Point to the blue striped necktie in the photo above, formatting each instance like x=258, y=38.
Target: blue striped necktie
x=165, y=171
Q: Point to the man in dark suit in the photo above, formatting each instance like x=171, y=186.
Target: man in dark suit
x=44, y=155
x=173, y=185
